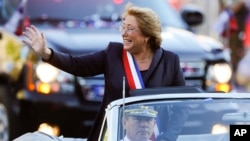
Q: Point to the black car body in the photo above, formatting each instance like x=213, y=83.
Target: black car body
x=44, y=94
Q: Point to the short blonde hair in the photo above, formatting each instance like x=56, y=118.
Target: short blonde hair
x=148, y=23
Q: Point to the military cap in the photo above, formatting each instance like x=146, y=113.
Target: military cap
x=140, y=110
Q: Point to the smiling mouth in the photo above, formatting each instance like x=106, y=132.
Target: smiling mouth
x=127, y=41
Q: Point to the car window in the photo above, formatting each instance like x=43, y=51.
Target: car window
x=194, y=119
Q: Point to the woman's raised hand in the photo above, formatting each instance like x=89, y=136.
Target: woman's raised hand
x=36, y=40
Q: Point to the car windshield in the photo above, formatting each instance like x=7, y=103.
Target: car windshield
x=190, y=120
x=99, y=12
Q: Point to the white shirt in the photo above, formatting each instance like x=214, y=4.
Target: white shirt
x=127, y=139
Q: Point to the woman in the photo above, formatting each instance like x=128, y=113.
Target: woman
x=140, y=50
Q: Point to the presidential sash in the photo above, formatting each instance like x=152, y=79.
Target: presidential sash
x=132, y=72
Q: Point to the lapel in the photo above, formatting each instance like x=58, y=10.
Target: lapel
x=156, y=60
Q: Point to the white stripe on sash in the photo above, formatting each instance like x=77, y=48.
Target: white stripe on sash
x=135, y=72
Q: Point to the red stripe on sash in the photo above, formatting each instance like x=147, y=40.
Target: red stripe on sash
x=128, y=71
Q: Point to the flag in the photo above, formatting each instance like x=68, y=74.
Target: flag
x=18, y=20
x=226, y=23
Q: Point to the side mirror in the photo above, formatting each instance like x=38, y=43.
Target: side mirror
x=192, y=15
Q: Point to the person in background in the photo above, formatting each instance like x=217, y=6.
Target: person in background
x=240, y=52
x=234, y=21
x=242, y=72
x=141, y=52
x=139, y=123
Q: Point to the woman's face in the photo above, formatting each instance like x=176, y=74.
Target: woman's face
x=134, y=41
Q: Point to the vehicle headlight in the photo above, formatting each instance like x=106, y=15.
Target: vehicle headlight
x=46, y=72
x=220, y=72
x=219, y=129
x=49, y=79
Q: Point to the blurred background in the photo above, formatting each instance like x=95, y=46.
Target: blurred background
x=230, y=15
x=208, y=35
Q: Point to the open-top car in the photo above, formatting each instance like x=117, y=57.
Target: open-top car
x=181, y=114
x=192, y=116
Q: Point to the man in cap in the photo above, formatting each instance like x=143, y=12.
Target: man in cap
x=139, y=123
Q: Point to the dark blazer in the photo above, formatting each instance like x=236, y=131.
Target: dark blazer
x=164, y=71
